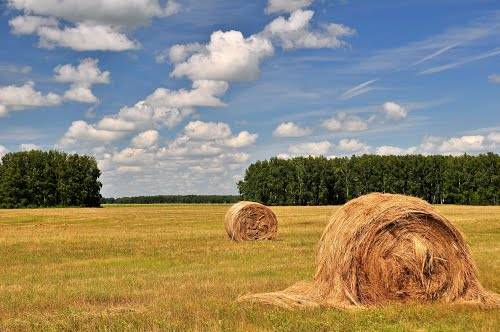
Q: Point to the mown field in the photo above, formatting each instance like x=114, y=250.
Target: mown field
x=171, y=267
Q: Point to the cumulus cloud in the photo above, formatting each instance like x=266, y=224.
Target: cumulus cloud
x=203, y=94
x=27, y=25
x=163, y=108
x=145, y=139
x=286, y=6
x=81, y=94
x=179, y=53
x=87, y=72
x=310, y=149
x=494, y=78
x=207, y=139
x=81, y=131
x=133, y=157
x=290, y=129
x=447, y=146
x=97, y=24
x=81, y=37
x=124, y=13
x=81, y=77
x=388, y=150
x=353, y=145
x=29, y=147
x=205, y=131
x=218, y=132
x=3, y=152
x=229, y=56
x=16, y=98
x=295, y=32
x=394, y=111
x=462, y=144
x=344, y=122
x=241, y=140
x=85, y=37
x=494, y=137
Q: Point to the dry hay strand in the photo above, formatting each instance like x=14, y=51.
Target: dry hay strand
x=249, y=221
x=383, y=248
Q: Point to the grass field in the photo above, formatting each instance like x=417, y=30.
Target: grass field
x=171, y=267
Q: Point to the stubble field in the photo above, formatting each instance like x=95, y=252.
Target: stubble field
x=171, y=267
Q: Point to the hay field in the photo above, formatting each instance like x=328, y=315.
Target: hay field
x=172, y=267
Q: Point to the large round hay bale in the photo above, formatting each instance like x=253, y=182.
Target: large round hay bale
x=249, y=221
x=383, y=248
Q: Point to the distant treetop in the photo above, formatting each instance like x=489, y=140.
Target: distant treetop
x=48, y=179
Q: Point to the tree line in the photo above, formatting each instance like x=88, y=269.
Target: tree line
x=48, y=179
x=320, y=181
x=174, y=199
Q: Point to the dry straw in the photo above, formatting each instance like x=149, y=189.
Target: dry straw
x=249, y=221
x=383, y=248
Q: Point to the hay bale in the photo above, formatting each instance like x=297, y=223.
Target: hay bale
x=249, y=221
x=383, y=248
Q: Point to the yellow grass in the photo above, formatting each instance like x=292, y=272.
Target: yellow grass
x=172, y=267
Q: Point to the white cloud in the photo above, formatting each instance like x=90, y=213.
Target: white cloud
x=81, y=94
x=243, y=139
x=163, y=108
x=180, y=52
x=133, y=157
x=29, y=147
x=107, y=12
x=353, y=145
x=82, y=78
x=447, y=146
x=494, y=78
x=204, y=94
x=234, y=158
x=3, y=111
x=344, y=122
x=290, y=129
x=81, y=37
x=184, y=147
x=90, y=25
x=462, y=144
x=81, y=131
x=129, y=169
x=3, y=152
x=295, y=32
x=145, y=139
x=284, y=156
x=27, y=25
x=394, y=111
x=87, y=72
x=286, y=6
x=86, y=37
x=229, y=56
x=388, y=150
x=313, y=148
x=494, y=137
x=207, y=139
x=16, y=98
x=205, y=131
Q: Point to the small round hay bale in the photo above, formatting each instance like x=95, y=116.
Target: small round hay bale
x=383, y=248
x=250, y=221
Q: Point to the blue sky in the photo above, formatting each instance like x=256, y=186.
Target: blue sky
x=181, y=96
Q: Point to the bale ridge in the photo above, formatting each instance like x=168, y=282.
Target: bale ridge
x=249, y=221
x=383, y=248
